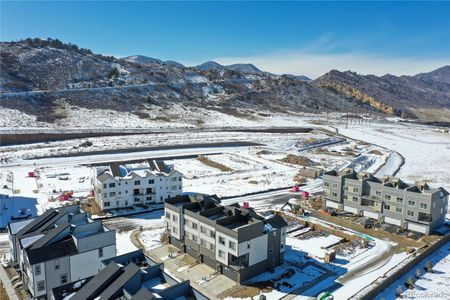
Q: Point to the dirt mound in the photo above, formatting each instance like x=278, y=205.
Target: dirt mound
x=298, y=160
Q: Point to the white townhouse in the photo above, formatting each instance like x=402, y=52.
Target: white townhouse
x=124, y=185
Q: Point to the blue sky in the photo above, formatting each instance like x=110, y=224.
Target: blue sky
x=282, y=37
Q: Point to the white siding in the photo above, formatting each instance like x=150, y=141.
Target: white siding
x=370, y=214
x=392, y=221
x=332, y=204
x=418, y=228
x=351, y=209
x=88, y=263
x=257, y=251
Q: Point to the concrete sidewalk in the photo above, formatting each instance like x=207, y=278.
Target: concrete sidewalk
x=7, y=284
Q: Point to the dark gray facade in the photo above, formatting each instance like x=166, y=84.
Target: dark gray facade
x=234, y=240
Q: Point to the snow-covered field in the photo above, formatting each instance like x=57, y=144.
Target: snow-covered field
x=434, y=285
x=426, y=153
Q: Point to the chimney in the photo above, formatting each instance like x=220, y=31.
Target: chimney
x=246, y=205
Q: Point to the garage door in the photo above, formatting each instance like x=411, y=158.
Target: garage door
x=392, y=221
x=371, y=215
x=191, y=252
x=351, y=209
x=332, y=204
x=230, y=273
x=209, y=261
x=418, y=228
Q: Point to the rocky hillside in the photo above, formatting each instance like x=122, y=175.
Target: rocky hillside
x=391, y=94
x=47, y=79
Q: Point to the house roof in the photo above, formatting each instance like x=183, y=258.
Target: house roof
x=55, y=250
x=98, y=283
x=143, y=294
x=276, y=222
x=115, y=288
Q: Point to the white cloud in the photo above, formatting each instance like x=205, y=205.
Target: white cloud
x=315, y=65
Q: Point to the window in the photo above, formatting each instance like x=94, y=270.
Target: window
x=334, y=185
x=111, y=185
x=387, y=197
x=149, y=198
x=37, y=270
x=203, y=242
x=63, y=278
x=112, y=194
x=106, y=204
x=202, y=229
x=167, y=215
x=136, y=192
x=334, y=194
x=174, y=179
x=41, y=285
x=221, y=254
x=221, y=240
x=388, y=207
x=174, y=218
x=346, y=188
x=137, y=182
x=211, y=247
x=151, y=181
x=232, y=245
x=136, y=200
x=194, y=225
x=398, y=209
x=248, y=244
x=399, y=200
x=423, y=205
x=100, y=252
x=194, y=238
x=378, y=193
x=174, y=187
x=56, y=264
x=411, y=203
x=410, y=213
x=355, y=199
x=212, y=234
x=105, y=195
x=326, y=183
x=345, y=197
x=175, y=230
x=355, y=190
x=149, y=191
x=104, y=185
x=179, y=178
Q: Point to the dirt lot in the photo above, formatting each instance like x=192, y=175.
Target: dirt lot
x=3, y=295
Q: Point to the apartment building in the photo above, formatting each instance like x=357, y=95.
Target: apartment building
x=58, y=247
x=124, y=185
x=415, y=207
x=129, y=276
x=232, y=239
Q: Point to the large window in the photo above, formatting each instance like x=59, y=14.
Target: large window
x=355, y=190
x=221, y=254
x=149, y=190
x=112, y=184
x=378, y=193
x=41, y=285
x=112, y=194
x=387, y=197
x=137, y=182
x=334, y=194
x=63, y=278
x=399, y=209
x=194, y=225
x=151, y=181
x=326, y=183
x=411, y=203
x=221, y=240
x=410, y=213
x=136, y=192
x=106, y=204
x=399, y=200
x=37, y=270
x=202, y=229
x=232, y=245
x=423, y=205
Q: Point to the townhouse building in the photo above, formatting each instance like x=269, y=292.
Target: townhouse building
x=232, y=239
x=59, y=247
x=124, y=185
x=131, y=276
x=416, y=207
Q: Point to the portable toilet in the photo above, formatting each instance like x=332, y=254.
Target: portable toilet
x=305, y=195
x=31, y=174
x=295, y=188
x=246, y=205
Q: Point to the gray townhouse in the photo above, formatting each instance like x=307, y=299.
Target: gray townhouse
x=416, y=207
x=131, y=276
x=59, y=247
x=234, y=240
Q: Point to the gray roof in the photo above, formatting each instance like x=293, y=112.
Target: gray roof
x=276, y=222
x=55, y=250
x=98, y=283
x=143, y=294
x=116, y=288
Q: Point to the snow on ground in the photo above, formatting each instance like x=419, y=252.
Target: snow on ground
x=426, y=153
x=316, y=246
x=434, y=285
x=123, y=242
x=151, y=238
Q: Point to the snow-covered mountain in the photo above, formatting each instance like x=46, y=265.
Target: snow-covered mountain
x=141, y=59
